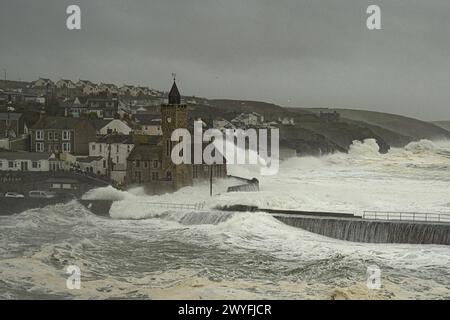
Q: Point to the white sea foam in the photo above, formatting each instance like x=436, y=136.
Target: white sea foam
x=414, y=178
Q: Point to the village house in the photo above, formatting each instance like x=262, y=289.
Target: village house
x=114, y=149
x=286, y=121
x=42, y=83
x=247, y=119
x=148, y=124
x=12, y=125
x=92, y=164
x=222, y=124
x=144, y=165
x=62, y=135
x=108, y=88
x=125, y=90
x=78, y=107
x=82, y=83
x=104, y=127
x=25, y=161
x=90, y=89
x=65, y=84
x=136, y=91
x=102, y=108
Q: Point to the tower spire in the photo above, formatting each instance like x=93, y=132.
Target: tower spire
x=174, y=94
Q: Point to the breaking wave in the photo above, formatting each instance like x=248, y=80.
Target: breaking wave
x=151, y=251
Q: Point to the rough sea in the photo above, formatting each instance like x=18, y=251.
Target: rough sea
x=145, y=251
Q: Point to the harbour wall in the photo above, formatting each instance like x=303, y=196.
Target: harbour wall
x=371, y=231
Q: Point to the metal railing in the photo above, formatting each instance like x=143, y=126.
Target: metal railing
x=406, y=216
x=182, y=206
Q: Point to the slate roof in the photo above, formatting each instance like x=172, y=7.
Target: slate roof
x=34, y=156
x=89, y=159
x=115, y=138
x=10, y=116
x=146, y=152
x=56, y=123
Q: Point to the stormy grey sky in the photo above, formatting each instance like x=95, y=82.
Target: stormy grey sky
x=290, y=52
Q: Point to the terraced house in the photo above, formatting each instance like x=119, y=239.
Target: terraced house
x=62, y=135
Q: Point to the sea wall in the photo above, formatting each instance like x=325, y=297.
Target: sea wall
x=371, y=231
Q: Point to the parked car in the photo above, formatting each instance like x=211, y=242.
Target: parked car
x=13, y=195
x=41, y=194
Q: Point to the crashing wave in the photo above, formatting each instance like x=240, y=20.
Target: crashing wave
x=369, y=147
x=421, y=146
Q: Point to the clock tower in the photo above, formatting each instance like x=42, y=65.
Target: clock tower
x=173, y=116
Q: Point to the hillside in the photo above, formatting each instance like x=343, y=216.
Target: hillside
x=405, y=126
x=443, y=124
x=309, y=135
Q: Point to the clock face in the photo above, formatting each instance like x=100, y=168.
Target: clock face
x=169, y=120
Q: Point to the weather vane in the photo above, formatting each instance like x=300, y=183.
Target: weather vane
x=174, y=75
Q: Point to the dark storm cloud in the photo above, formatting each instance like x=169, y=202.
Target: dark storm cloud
x=291, y=52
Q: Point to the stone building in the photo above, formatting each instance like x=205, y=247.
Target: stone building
x=62, y=135
x=151, y=164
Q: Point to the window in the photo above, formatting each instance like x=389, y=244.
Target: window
x=65, y=147
x=138, y=163
x=10, y=164
x=104, y=163
x=56, y=136
x=39, y=135
x=117, y=148
x=39, y=147
x=155, y=176
x=93, y=147
x=155, y=164
x=167, y=148
x=50, y=135
x=66, y=135
x=34, y=164
x=169, y=176
x=117, y=159
x=100, y=147
x=1, y=163
x=145, y=164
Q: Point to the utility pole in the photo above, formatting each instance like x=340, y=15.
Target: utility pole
x=210, y=180
x=4, y=73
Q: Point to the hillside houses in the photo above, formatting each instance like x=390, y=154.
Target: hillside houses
x=108, y=88
x=102, y=108
x=99, y=130
x=90, y=89
x=247, y=119
x=42, y=83
x=65, y=84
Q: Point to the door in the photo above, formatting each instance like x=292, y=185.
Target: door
x=24, y=166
